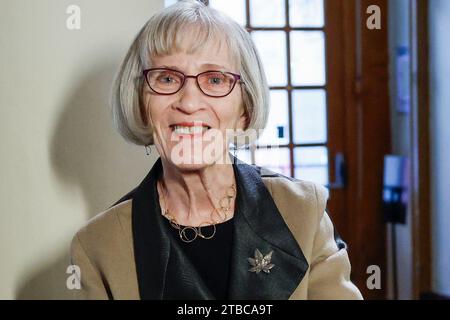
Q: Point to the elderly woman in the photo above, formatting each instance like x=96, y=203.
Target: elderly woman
x=202, y=224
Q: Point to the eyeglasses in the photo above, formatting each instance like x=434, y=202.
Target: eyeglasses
x=212, y=83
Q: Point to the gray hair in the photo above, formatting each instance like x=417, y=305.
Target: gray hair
x=163, y=34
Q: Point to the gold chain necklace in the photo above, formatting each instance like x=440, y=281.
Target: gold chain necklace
x=183, y=231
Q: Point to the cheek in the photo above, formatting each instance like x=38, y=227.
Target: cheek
x=146, y=104
x=154, y=109
x=234, y=111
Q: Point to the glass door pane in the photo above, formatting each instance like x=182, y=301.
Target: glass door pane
x=272, y=48
x=308, y=58
x=306, y=13
x=267, y=13
x=311, y=164
x=233, y=8
x=277, y=129
x=309, y=109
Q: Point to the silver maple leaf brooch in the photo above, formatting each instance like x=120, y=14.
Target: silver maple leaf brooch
x=261, y=262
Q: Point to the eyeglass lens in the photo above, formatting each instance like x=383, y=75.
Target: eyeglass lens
x=213, y=83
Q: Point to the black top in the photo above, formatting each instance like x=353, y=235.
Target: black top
x=211, y=257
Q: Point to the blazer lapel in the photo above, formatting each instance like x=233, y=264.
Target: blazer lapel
x=259, y=225
x=151, y=249
x=162, y=269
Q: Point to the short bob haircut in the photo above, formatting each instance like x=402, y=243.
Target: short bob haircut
x=163, y=34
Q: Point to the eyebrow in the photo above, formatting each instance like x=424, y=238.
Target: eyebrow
x=212, y=65
x=205, y=65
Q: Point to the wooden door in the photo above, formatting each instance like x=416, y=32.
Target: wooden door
x=359, y=128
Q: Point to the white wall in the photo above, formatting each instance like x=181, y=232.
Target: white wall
x=61, y=161
x=440, y=141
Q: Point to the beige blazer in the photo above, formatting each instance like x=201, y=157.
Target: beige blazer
x=122, y=253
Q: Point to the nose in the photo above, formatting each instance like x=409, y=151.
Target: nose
x=190, y=96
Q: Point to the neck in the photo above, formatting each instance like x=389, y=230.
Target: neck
x=191, y=196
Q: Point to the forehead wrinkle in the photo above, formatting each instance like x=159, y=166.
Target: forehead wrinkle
x=206, y=61
x=194, y=38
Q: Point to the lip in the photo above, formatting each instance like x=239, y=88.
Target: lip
x=190, y=124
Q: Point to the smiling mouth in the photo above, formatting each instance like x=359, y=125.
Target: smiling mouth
x=189, y=129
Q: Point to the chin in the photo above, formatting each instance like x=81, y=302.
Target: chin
x=191, y=167
x=196, y=161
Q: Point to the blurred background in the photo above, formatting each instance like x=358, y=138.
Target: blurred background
x=359, y=103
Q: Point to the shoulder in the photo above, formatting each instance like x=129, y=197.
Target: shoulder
x=294, y=191
x=301, y=204
x=103, y=251
x=106, y=228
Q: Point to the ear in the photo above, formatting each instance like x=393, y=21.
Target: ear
x=143, y=108
x=143, y=112
x=244, y=120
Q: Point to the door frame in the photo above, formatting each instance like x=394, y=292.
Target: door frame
x=361, y=63
x=420, y=150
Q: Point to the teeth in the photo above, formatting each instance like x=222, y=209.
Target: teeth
x=189, y=130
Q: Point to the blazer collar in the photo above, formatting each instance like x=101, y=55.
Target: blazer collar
x=258, y=225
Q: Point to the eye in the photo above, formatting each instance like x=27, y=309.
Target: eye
x=216, y=79
x=167, y=78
